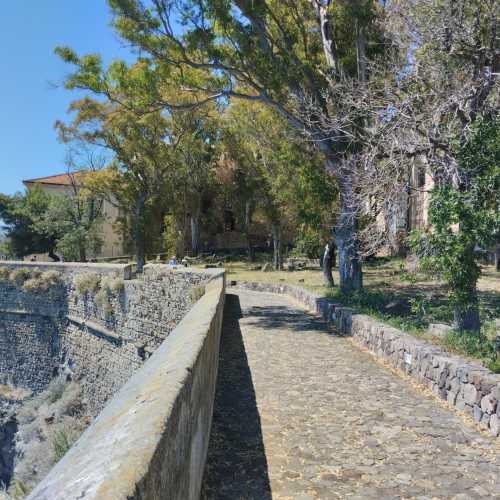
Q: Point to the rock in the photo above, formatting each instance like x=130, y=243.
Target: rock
x=495, y=425
x=400, y=307
x=477, y=413
x=488, y=404
x=266, y=268
x=471, y=394
x=495, y=392
x=412, y=263
x=451, y=397
x=439, y=330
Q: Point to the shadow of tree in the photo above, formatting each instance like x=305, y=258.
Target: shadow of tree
x=297, y=320
x=236, y=462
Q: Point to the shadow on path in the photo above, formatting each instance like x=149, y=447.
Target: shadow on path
x=236, y=463
x=296, y=320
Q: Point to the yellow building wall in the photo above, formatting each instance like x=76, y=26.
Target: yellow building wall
x=112, y=241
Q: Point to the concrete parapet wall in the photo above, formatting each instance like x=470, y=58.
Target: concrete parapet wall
x=469, y=387
x=151, y=439
x=124, y=270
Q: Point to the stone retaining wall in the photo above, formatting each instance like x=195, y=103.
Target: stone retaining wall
x=151, y=439
x=44, y=332
x=470, y=387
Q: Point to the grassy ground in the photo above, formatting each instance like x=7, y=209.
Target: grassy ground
x=406, y=300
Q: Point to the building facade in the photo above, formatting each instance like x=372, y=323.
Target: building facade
x=68, y=184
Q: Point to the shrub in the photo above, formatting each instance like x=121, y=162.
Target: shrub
x=43, y=281
x=61, y=442
x=20, y=275
x=4, y=274
x=48, y=425
x=87, y=283
x=478, y=346
x=113, y=284
x=101, y=299
x=18, y=490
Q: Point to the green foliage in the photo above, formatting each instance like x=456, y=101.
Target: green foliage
x=20, y=213
x=464, y=217
x=37, y=222
x=61, y=442
x=478, y=346
x=309, y=243
x=4, y=274
x=19, y=490
x=73, y=222
x=87, y=283
x=407, y=276
x=171, y=235
x=416, y=321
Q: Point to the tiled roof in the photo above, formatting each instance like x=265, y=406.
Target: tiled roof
x=56, y=180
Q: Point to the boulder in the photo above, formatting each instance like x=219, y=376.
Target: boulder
x=439, y=330
x=495, y=425
x=488, y=404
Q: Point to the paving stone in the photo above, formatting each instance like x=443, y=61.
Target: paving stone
x=495, y=425
x=302, y=413
x=489, y=404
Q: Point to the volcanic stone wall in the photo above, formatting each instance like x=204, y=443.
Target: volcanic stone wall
x=59, y=330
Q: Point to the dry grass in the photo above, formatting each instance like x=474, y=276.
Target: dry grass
x=379, y=276
x=10, y=393
x=48, y=424
x=87, y=283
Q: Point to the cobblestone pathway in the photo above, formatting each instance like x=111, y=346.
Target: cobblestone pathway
x=303, y=414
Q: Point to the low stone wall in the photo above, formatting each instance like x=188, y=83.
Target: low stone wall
x=470, y=387
x=151, y=439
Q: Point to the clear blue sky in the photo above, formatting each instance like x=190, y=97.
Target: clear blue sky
x=29, y=31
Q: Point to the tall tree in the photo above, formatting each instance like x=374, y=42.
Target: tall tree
x=288, y=181
x=19, y=214
x=282, y=53
x=142, y=158
x=465, y=217
x=451, y=84
x=73, y=220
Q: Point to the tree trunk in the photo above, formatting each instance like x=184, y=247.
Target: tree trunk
x=140, y=247
x=328, y=262
x=497, y=257
x=361, y=51
x=82, y=251
x=466, y=315
x=53, y=255
x=350, y=270
x=248, y=216
x=276, y=230
x=195, y=232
